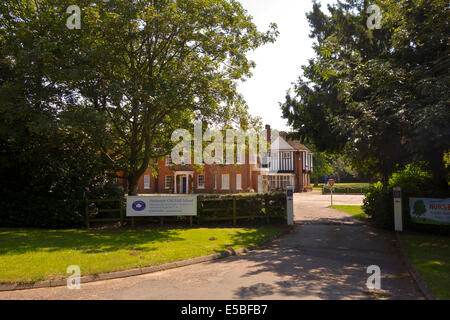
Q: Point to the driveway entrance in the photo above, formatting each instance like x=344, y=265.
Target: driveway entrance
x=313, y=207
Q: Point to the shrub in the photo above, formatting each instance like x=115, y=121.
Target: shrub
x=51, y=211
x=378, y=205
x=414, y=181
x=345, y=190
x=271, y=205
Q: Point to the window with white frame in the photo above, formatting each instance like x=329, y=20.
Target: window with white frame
x=168, y=160
x=169, y=182
x=146, y=182
x=239, y=181
x=280, y=182
x=225, y=182
x=239, y=157
x=201, y=182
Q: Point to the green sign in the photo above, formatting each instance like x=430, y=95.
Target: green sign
x=430, y=211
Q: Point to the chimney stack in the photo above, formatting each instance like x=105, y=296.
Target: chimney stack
x=269, y=133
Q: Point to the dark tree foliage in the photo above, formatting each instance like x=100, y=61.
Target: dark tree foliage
x=78, y=106
x=382, y=95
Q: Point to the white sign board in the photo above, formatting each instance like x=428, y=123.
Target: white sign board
x=430, y=210
x=165, y=206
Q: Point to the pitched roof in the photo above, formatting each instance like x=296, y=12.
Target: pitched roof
x=294, y=143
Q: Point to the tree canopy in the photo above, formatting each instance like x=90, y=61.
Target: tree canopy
x=382, y=95
x=141, y=69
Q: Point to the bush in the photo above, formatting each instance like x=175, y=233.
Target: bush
x=345, y=190
x=51, y=211
x=378, y=205
x=414, y=181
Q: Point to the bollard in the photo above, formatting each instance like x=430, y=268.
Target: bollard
x=290, y=205
x=398, y=216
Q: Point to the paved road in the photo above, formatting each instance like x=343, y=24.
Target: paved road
x=325, y=257
x=314, y=208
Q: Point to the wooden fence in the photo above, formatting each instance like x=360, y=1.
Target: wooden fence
x=209, y=209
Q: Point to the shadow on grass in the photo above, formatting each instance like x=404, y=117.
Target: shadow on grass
x=254, y=237
x=21, y=241
x=18, y=241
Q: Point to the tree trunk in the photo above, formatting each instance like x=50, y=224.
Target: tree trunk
x=133, y=185
x=440, y=173
x=316, y=182
x=385, y=179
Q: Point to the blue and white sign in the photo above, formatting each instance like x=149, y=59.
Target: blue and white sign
x=430, y=211
x=162, y=206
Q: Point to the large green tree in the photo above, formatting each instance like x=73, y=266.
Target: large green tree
x=381, y=96
x=160, y=64
x=321, y=164
x=145, y=67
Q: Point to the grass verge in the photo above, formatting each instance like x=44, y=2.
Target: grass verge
x=430, y=255
x=33, y=255
x=355, y=211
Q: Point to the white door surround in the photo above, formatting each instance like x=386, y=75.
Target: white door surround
x=183, y=174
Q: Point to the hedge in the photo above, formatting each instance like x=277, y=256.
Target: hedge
x=250, y=207
x=269, y=207
x=345, y=190
x=415, y=183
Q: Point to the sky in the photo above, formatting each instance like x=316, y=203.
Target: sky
x=278, y=65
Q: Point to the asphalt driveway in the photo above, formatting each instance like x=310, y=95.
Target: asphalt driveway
x=325, y=257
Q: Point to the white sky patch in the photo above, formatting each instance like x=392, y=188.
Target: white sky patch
x=277, y=65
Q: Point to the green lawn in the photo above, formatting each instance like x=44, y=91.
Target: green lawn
x=355, y=211
x=33, y=255
x=430, y=255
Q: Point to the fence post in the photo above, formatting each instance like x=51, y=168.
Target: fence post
x=121, y=212
x=87, y=213
x=199, y=209
x=234, y=211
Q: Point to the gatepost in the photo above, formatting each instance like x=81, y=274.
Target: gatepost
x=290, y=205
x=398, y=218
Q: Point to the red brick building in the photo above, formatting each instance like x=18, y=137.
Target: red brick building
x=287, y=163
